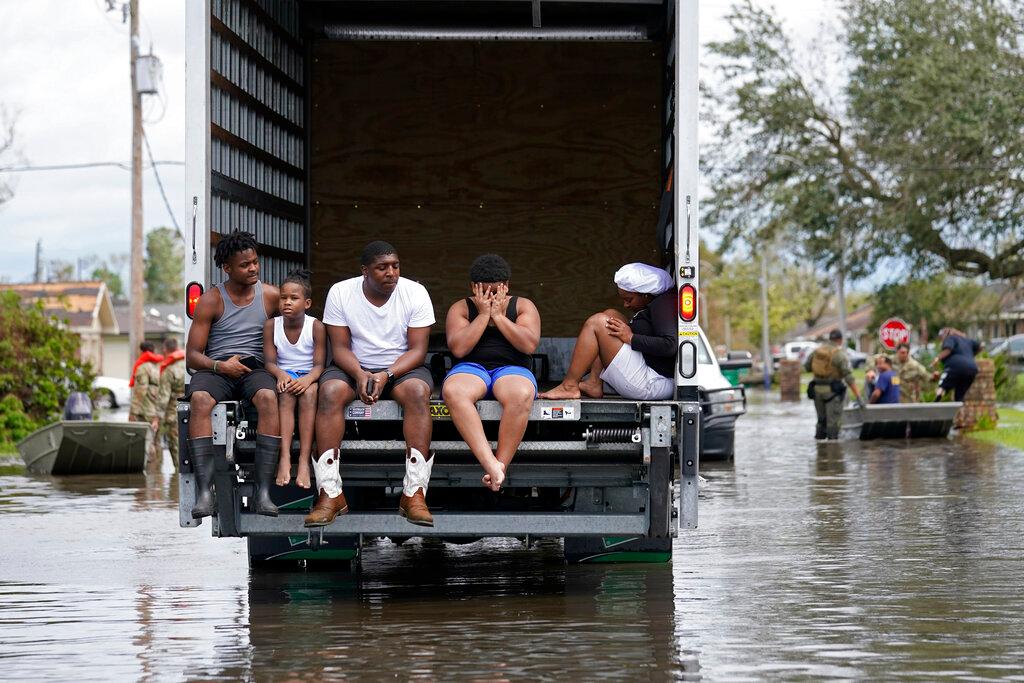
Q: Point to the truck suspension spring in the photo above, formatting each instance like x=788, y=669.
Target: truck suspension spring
x=596, y=435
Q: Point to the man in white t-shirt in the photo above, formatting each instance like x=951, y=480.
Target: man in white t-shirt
x=379, y=326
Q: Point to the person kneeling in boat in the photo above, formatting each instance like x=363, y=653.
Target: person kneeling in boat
x=887, y=382
x=635, y=357
x=492, y=335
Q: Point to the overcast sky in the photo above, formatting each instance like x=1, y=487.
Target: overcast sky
x=64, y=68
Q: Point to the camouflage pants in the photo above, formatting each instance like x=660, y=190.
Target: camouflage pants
x=830, y=412
x=169, y=431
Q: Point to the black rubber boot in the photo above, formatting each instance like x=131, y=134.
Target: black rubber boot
x=204, y=466
x=268, y=449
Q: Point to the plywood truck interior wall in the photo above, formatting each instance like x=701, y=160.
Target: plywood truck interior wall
x=549, y=153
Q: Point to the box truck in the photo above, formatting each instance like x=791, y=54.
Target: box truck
x=562, y=135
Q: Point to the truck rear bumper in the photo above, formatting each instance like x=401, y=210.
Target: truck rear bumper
x=455, y=524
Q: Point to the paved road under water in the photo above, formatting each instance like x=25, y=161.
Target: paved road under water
x=812, y=561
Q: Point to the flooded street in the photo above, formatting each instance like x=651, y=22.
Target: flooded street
x=812, y=561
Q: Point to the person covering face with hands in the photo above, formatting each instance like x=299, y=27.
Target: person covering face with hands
x=492, y=335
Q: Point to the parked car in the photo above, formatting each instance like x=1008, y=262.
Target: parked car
x=798, y=350
x=111, y=393
x=857, y=358
x=1012, y=348
x=721, y=402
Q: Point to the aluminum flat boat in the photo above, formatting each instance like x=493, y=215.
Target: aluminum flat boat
x=86, y=447
x=900, y=421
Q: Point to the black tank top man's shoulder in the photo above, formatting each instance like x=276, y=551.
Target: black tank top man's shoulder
x=493, y=350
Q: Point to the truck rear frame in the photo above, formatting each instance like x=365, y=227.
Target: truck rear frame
x=616, y=478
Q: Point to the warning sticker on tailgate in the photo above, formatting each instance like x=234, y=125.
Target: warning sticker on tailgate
x=439, y=411
x=558, y=413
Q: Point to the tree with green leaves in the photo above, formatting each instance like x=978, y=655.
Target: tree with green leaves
x=797, y=295
x=932, y=303
x=115, y=285
x=913, y=148
x=165, y=266
x=39, y=367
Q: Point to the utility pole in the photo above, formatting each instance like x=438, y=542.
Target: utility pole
x=766, y=351
x=136, y=333
x=39, y=261
x=841, y=284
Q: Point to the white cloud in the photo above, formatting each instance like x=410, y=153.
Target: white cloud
x=65, y=68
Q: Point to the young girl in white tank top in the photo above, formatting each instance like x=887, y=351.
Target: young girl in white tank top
x=295, y=348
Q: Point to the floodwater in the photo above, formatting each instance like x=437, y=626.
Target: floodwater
x=850, y=561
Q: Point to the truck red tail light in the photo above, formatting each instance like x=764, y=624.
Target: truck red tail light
x=193, y=291
x=688, y=303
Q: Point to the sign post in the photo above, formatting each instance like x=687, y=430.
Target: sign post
x=894, y=332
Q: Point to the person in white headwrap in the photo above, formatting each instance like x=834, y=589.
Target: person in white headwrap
x=635, y=357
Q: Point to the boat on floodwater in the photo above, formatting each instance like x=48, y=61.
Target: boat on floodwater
x=86, y=447
x=900, y=420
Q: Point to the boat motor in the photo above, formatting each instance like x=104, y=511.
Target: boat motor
x=78, y=406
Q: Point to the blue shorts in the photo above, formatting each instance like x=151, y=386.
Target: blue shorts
x=491, y=376
x=295, y=375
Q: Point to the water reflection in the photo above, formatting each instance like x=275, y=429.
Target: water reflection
x=487, y=611
x=849, y=560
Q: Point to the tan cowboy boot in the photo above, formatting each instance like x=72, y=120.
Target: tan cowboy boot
x=326, y=509
x=414, y=508
x=413, y=505
x=331, y=501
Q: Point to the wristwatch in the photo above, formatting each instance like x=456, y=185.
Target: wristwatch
x=390, y=374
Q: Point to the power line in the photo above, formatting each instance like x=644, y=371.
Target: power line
x=88, y=164
x=159, y=183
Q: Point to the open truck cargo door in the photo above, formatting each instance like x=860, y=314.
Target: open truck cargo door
x=562, y=133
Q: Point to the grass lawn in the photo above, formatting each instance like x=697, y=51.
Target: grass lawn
x=10, y=463
x=1010, y=431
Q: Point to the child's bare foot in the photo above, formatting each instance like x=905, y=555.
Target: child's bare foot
x=494, y=477
x=302, y=475
x=284, y=470
x=563, y=390
x=592, y=388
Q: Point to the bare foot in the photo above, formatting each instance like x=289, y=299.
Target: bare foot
x=302, y=475
x=592, y=389
x=284, y=470
x=495, y=476
x=563, y=390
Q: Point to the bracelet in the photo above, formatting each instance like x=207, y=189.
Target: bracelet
x=215, y=366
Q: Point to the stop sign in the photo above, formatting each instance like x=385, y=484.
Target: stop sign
x=894, y=332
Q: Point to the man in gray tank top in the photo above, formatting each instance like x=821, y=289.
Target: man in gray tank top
x=225, y=351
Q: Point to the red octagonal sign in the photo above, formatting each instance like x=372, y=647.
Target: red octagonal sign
x=894, y=332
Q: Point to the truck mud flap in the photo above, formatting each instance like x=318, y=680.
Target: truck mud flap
x=621, y=549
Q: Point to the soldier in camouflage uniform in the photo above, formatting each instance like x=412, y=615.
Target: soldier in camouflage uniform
x=913, y=376
x=145, y=385
x=172, y=386
x=832, y=374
